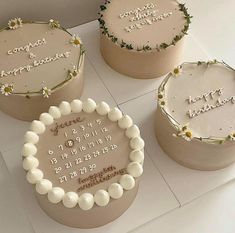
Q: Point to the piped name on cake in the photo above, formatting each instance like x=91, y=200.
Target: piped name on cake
x=145, y=15
x=100, y=177
x=206, y=97
x=34, y=64
x=26, y=48
x=57, y=127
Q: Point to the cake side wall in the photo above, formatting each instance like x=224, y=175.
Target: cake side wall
x=28, y=109
x=194, y=154
x=141, y=64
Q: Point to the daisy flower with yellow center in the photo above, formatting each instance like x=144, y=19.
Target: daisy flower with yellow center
x=185, y=133
x=73, y=72
x=76, y=41
x=19, y=22
x=231, y=137
x=54, y=23
x=177, y=71
x=46, y=92
x=6, y=89
x=12, y=24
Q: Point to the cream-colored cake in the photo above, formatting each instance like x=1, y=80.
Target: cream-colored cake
x=85, y=161
x=141, y=38
x=41, y=64
x=195, y=115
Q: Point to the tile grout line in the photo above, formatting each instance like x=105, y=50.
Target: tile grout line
x=183, y=205
x=93, y=66
x=168, y=185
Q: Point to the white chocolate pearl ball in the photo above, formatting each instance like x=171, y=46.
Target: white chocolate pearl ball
x=34, y=175
x=43, y=186
x=70, y=199
x=30, y=162
x=86, y=201
x=103, y=108
x=76, y=106
x=31, y=137
x=89, y=106
x=115, y=114
x=115, y=191
x=137, y=143
x=127, y=182
x=55, y=195
x=101, y=197
x=55, y=112
x=134, y=169
x=137, y=156
x=125, y=122
x=65, y=108
x=29, y=149
x=38, y=127
x=133, y=132
x=46, y=118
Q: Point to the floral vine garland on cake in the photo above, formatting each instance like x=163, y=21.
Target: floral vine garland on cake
x=184, y=131
x=8, y=89
x=145, y=48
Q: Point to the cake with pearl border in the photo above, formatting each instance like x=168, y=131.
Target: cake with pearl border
x=141, y=38
x=41, y=65
x=195, y=115
x=84, y=161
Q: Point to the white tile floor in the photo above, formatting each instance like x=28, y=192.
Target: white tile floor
x=171, y=198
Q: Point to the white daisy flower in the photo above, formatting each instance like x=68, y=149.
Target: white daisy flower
x=46, y=92
x=231, y=137
x=12, y=24
x=54, y=24
x=19, y=22
x=6, y=89
x=177, y=71
x=185, y=133
x=76, y=41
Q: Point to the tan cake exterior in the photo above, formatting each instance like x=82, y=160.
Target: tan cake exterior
x=85, y=161
x=41, y=64
x=194, y=119
x=143, y=39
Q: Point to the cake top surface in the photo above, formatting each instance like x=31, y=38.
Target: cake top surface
x=199, y=100
x=36, y=56
x=144, y=24
x=84, y=148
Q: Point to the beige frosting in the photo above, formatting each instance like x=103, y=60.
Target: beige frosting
x=162, y=31
x=209, y=148
x=57, y=42
x=195, y=81
x=115, y=157
x=25, y=106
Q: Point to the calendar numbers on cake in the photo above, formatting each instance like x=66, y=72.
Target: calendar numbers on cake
x=74, y=131
x=68, y=165
x=58, y=169
x=74, y=151
x=73, y=174
x=69, y=143
x=92, y=167
x=54, y=161
x=83, y=145
x=87, y=157
x=63, y=179
x=50, y=152
x=64, y=156
x=83, y=170
x=78, y=161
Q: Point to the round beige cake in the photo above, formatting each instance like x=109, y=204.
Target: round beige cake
x=85, y=161
x=195, y=115
x=141, y=38
x=41, y=64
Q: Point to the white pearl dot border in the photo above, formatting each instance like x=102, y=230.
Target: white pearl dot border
x=87, y=200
